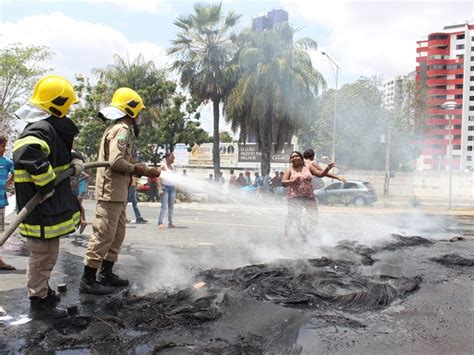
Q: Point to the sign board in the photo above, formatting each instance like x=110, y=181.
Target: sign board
x=201, y=155
x=249, y=153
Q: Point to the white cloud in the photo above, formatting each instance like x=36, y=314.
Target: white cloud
x=374, y=38
x=156, y=7
x=79, y=46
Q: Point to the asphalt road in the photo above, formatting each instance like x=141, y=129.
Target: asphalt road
x=438, y=319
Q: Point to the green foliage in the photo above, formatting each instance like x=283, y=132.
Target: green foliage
x=225, y=137
x=20, y=67
x=169, y=118
x=276, y=90
x=415, y=201
x=204, y=52
x=361, y=121
x=346, y=199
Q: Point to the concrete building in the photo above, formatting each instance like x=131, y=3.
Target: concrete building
x=445, y=72
x=270, y=21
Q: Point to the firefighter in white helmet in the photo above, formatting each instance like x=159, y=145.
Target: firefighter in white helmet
x=112, y=192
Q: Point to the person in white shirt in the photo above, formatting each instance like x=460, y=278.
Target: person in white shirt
x=167, y=190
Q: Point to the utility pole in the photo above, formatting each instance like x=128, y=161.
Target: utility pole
x=386, y=184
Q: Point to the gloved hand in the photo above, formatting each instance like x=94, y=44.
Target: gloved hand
x=78, y=166
x=46, y=195
x=153, y=172
x=139, y=170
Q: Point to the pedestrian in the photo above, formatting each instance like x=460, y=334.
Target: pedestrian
x=221, y=178
x=210, y=178
x=167, y=190
x=132, y=197
x=79, y=185
x=43, y=150
x=258, y=180
x=308, y=156
x=153, y=184
x=274, y=182
x=300, y=191
x=185, y=173
x=232, y=179
x=248, y=178
x=108, y=229
x=6, y=179
x=241, y=182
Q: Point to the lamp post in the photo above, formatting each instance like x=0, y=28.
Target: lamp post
x=448, y=106
x=335, y=68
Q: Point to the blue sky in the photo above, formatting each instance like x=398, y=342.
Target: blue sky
x=364, y=37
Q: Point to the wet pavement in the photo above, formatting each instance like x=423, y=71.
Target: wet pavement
x=368, y=283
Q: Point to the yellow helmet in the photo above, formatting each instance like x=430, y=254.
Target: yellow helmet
x=127, y=101
x=54, y=94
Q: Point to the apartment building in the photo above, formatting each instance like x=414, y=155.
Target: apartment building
x=445, y=72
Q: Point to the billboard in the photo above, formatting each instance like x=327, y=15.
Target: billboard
x=201, y=155
x=249, y=153
x=181, y=154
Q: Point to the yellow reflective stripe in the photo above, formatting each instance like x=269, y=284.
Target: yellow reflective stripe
x=30, y=230
x=43, y=179
x=51, y=231
x=32, y=140
x=64, y=227
x=60, y=169
x=22, y=175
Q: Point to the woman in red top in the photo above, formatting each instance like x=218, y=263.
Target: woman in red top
x=300, y=190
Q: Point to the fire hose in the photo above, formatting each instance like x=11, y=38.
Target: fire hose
x=31, y=205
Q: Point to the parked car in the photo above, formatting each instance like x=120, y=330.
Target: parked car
x=352, y=191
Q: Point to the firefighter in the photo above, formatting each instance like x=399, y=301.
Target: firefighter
x=42, y=151
x=112, y=192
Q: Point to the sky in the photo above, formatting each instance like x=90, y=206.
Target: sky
x=364, y=38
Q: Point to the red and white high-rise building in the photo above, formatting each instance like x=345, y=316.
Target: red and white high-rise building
x=445, y=72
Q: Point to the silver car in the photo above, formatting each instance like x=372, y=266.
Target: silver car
x=352, y=191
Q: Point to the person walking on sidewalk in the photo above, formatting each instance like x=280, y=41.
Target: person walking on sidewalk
x=132, y=197
x=6, y=178
x=42, y=151
x=108, y=229
x=167, y=190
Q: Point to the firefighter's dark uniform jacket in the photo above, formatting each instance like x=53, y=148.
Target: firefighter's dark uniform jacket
x=42, y=152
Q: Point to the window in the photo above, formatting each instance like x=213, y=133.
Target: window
x=471, y=118
x=460, y=76
x=471, y=88
x=334, y=186
x=470, y=138
x=458, y=96
x=460, y=36
x=457, y=147
x=457, y=126
x=350, y=185
x=470, y=128
x=459, y=86
x=459, y=46
x=456, y=137
x=469, y=148
x=471, y=108
x=469, y=158
x=438, y=37
x=471, y=98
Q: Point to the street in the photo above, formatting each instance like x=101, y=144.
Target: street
x=436, y=318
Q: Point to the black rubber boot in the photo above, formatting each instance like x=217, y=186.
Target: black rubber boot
x=108, y=278
x=53, y=297
x=42, y=308
x=90, y=285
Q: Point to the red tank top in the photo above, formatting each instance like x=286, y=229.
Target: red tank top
x=305, y=187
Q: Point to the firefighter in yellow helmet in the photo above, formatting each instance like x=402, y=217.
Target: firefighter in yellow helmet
x=112, y=192
x=43, y=150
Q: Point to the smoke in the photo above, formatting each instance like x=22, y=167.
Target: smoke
x=253, y=233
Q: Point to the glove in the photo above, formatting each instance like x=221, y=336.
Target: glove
x=46, y=195
x=78, y=166
x=153, y=172
x=139, y=170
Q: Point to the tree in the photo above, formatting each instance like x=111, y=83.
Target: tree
x=361, y=121
x=225, y=137
x=276, y=90
x=169, y=117
x=204, y=49
x=20, y=67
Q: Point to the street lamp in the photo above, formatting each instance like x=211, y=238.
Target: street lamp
x=448, y=106
x=335, y=69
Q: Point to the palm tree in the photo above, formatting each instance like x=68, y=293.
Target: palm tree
x=276, y=91
x=204, y=51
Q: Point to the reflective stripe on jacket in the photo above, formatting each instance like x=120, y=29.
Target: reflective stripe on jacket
x=39, y=155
